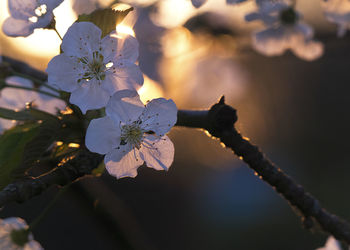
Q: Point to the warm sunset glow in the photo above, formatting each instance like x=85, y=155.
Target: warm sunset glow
x=42, y=43
x=124, y=29
x=73, y=145
x=150, y=90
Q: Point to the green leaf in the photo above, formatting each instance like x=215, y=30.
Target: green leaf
x=28, y=114
x=99, y=170
x=21, y=115
x=23, y=145
x=106, y=19
x=12, y=145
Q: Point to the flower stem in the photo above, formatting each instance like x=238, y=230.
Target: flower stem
x=54, y=28
x=48, y=207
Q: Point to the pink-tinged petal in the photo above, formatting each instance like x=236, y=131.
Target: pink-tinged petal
x=15, y=223
x=125, y=106
x=158, y=153
x=308, y=50
x=81, y=39
x=33, y=245
x=159, y=116
x=22, y=9
x=63, y=72
x=89, y=96
x=270, y=42
x=331, y=244
x=16, y=27
x=117, y=46
x=198, y=3
x=123, y=162
x=102, y=135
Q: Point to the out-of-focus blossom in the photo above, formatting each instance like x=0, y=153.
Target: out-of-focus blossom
x=17, y=99
x=132, y=134
x=331, y=244
x=93, y=69
x=27, y=15
x=14, y=235
x=198, y=3
x=284, y=31
x=338, y=11
x=235, y=1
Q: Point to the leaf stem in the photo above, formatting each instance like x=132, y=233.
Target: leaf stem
x=5, y=85
x=35, y=80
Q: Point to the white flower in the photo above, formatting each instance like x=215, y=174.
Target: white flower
x=15, y=99
x=27, y=15
x=284, y=31
x=132, y=134
x=13, y=235
x=331, y=244
x=198, y=3
x=338, y=11
x=93, y=69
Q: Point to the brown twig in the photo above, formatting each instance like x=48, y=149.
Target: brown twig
x=219, y=121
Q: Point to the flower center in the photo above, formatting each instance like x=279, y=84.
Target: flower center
x=288, y=16
x=133, y=134
x=19, y=237
x=40, y=11
x=95, y=68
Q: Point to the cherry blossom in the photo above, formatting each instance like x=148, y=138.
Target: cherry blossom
x=132, y=134
x=284, y=31
x=27, y=15
x=14, y=235
x=338, y=11
x=198, y=3
x=331, y=244
x=12, y=98
x=93, y=69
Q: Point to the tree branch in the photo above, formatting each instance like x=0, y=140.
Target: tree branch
x=22, y=190
x=219, y=121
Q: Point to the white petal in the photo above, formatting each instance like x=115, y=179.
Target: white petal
x=120, y=47
x=102, y=135
x=51, y=4
x=89, y=96
x=158, y=153
x=198, y=3
x=123, y=162
x=128, y=76
x=16, y=27
x=22, y=9
x=63, y=72
x=125, y=106
x=331, y=244
x=159, y=116
x=81, y=39
x=19, y=81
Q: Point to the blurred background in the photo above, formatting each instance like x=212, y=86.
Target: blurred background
x=296, y=111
